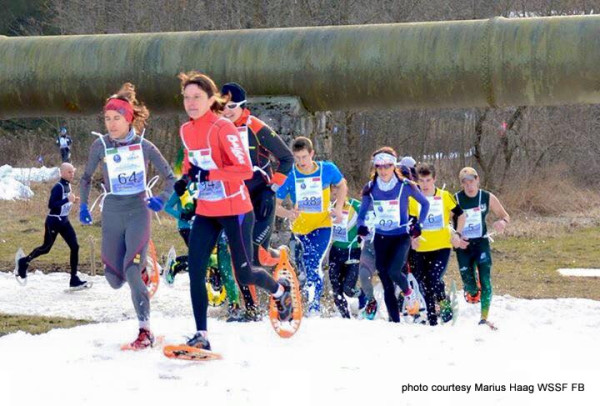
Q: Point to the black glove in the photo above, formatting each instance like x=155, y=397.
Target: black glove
x=414, y=230
x=186, y=215
x=181, y=185
x=193, y=172
x=362, y=232
x=198, y=174
x=203, y=175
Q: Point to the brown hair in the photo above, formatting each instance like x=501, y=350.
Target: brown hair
x=426, y=169
x=301, y=143
x=206, y=84
x=140, y=111
x=387, y=150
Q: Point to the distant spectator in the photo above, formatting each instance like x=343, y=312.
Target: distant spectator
x=64, y=143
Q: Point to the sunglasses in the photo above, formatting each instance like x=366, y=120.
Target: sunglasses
x=384, y=166
x=232, y=106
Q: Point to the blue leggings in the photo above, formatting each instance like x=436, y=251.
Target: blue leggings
x=315, y=246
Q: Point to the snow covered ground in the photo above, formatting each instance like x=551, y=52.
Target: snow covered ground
x=330, y=361
x=14, y=182
x=586, y=272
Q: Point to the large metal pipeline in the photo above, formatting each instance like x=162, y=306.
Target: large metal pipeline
x=495, y=62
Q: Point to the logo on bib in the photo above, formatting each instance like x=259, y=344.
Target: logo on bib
x=237, y=148
x=117, y=158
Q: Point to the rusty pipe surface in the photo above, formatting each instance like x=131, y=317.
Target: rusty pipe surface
x=475, y=63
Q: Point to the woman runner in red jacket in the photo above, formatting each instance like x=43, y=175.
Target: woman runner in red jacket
x=215, y=157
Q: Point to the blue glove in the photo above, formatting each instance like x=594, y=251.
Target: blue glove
x=155, y=203
x=84, y=215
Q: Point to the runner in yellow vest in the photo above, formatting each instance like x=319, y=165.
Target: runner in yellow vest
x=434, y=245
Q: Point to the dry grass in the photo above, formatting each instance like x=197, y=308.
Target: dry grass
x=34, y=324
x=526, y=266
x=22, y=225
x=550, y=193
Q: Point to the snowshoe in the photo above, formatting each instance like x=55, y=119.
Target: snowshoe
x=370, y=310
x=215, y=288
x=196, y=348
x=268, y=257
x=411, y=303
x=168, y=273
x=473, y=299
x=285, y=312
x=152, y=269
x=414, y=303
x=446, y=312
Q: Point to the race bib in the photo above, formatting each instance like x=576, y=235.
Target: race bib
x=126, y=169
x=340, y=230
x=211, y=191
x=309, y=194
x=473, y=223
x=435, y=217
x=387, y=214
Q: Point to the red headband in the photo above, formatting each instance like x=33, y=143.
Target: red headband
x=122, y=107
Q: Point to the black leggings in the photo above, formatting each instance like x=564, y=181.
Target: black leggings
x=55, y=226
x=343, y=276
x=182, y=260
x=429, y=271
x=390, y=257
x=203, y=238
x=185, y=234
x=263, y=200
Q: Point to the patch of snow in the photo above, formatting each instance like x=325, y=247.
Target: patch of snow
x=14, y=182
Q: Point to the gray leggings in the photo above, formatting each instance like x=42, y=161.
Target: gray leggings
x=125, y=236
x=367, y=269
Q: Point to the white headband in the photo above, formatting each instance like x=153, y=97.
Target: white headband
x=384, y=158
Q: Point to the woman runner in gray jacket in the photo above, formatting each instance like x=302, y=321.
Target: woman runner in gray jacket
x=124, y=154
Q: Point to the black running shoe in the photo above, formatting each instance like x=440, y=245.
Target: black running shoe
x=199, y=341
x=22, y=269
x=75, y=282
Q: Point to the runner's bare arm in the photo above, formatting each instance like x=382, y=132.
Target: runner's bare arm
x=342, y=192
x=500, y=212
